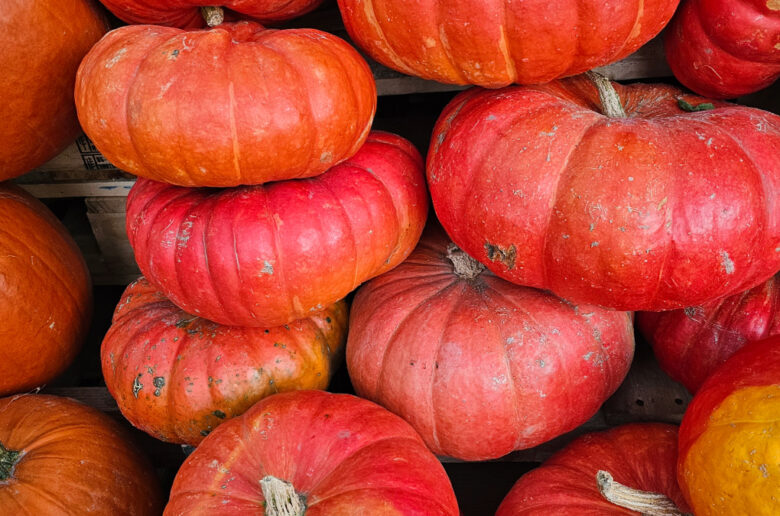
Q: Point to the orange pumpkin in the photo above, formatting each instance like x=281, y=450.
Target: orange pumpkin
x=729, y=449
x=177, y=376
x=43, y=42
x=45, y=293
x=60, y=457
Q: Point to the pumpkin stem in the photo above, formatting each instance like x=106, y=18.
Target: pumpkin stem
x=213, y=15
x=8, y=460
x=647, y=504
x=465, y=266
x=610, y=100
x=281, y=498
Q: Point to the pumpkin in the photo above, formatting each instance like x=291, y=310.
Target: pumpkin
x=725, y=48
x=235, y=104
x=177, y=376
x=43, y=42
x=267, y=255
x=45, y=293
x=189, y=13
x=691, y=344
x=616, y=472
x=494, y=44
x=316, y=452
x=478, y=366
x=58, y=456
x=645, y=207
x=730, y=439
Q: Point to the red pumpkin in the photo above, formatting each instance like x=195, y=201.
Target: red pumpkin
x=236, y=104
x=58, y=456
x=725, y=48
x=730, y=438
x=691, y=344
x=177, y=376
x=45, y=293
x=327, y=453
x=497, y=43
x=655, y=210
x=43, y=42
x=481, y=367
x=267, y=255
x=642, y=457
x=186, y=14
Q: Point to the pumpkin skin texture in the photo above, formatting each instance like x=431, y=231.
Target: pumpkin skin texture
x=346, y=455
x=45, y=293
x=730, y=436
x=481, y=367
x=186, y=14
x=235, y=104
x=177, y=376
x=660, y=210
x=507, y=42
x=43, y=43
x=725, y=48
x=691, y=344
x=267, y=255
x=640, y=456
x=74, y=459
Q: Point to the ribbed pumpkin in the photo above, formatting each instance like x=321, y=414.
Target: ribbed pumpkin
x=43, y=42
x=58, y=456
x=725, y=48
x=267, y=255
x=729, y=459
x=177, y=376
x=235, y=104
x=640, y=458
x=187, y=13
x=691, y=344
x=45, y=293
x=325, y=454
x=645, y=207
x=481, y=367
x=500, y=42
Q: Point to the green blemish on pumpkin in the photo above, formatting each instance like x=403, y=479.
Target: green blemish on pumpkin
x=159, y=383
x=328, y=320
x=8, y=460
x=219, y=414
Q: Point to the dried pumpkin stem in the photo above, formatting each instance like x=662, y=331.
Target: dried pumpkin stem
x=610, y=100
x=8, y=460
x=649, y=504
x=281, y=498
x=213, y=15
x=465, y=266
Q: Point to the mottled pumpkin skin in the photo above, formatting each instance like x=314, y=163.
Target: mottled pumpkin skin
x=642, y=456
x=177, y=376
x=236, y=104
x=499, y=42
x=691, y=344
x=186, y=14
x=268, y=255
x=660, y=210
x=45, y=293
x=43, y=42
x=729, y=459
x=481, y=367
x=725, y=48
x=74, y=460
x=346, y=455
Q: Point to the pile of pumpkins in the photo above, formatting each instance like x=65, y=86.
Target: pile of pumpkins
x=562, y=206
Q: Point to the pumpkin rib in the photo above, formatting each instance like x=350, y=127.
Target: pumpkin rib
x=340, y=204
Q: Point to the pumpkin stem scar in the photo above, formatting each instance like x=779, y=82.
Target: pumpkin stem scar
x=465, y=266
x=610, y=100
x=281, y=498
x=8, y=460
x=647, y=504
x=213, y=15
